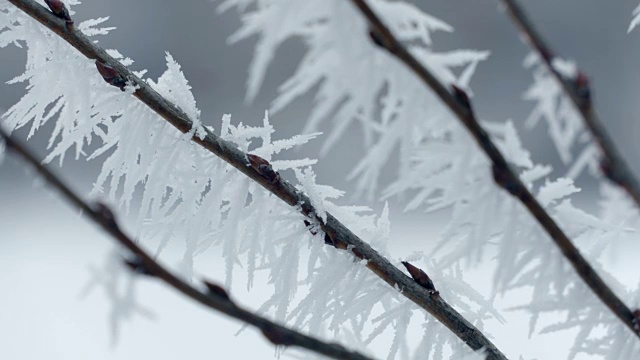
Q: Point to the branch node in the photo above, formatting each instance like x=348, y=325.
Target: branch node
x=612, y=172
x=313, y=228
x=503, y=177
x=136, y=264
x=276, y=336
x=111, y=75
x=461, y=97
x=333, y=240
x=583, y=89
x=59, y=9
x=106, y=216
x=216, y=290
x=377, y=39
x=264, y=168
x=420, y=277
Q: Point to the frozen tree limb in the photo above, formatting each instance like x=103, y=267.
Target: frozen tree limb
x=214, y=297
x=577, y=87
x=338, y=234
x=459, y=103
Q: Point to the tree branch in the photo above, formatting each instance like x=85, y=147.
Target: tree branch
x=341, y=237
x=613, y=165
x=459, y=103
x=215, y=297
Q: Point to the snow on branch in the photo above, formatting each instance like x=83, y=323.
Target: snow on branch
x=143, y=150
x=576, y=85
x=208, y=294
x=459, y=103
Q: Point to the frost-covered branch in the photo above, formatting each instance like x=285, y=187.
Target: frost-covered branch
x=576, y=86
x=458, y=101
x=336, y=233
x=209, y=294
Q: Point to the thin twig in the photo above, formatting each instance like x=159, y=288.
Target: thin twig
x=340, y=236
x=215, y=297
x=459, y=103
x=612, y=164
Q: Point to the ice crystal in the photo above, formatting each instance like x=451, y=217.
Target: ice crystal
x=187, y=194
x=439, y=164
x=636, y=19
x=565, y=125
x=119, y=288
x=393, y=108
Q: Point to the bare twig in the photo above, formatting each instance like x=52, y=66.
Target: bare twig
x=336, y=233
x=215, y=297
x=612, y=164
x=459, y=103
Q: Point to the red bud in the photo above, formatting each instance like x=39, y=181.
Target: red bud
x=420, y=277
x=59, y=9
x=111, y=75
x=262, y=167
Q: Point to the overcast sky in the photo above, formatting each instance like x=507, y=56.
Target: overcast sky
x=46, y=248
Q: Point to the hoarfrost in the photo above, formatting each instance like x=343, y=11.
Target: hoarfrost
x=192, y=196
x=636, y=19
x=393, y=108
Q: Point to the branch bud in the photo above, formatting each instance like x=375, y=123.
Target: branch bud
x=461, y=96
x=503, y=178
x=106, y=215
x=262, y=167
x=421, y=278
x=583, y=88
x=59, y=9
x=216, y=290
x=137, y=266
x=636, y=320
x=111, y=75
x=276, y=336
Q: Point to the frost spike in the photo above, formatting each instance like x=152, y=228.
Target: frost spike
x=578, y=91
x=580, y=264
x=229, y=152
x=96, y=213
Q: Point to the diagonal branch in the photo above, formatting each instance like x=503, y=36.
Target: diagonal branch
x=613, y=165
x=215, y=297
x=459, y=103
x=340, y=236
